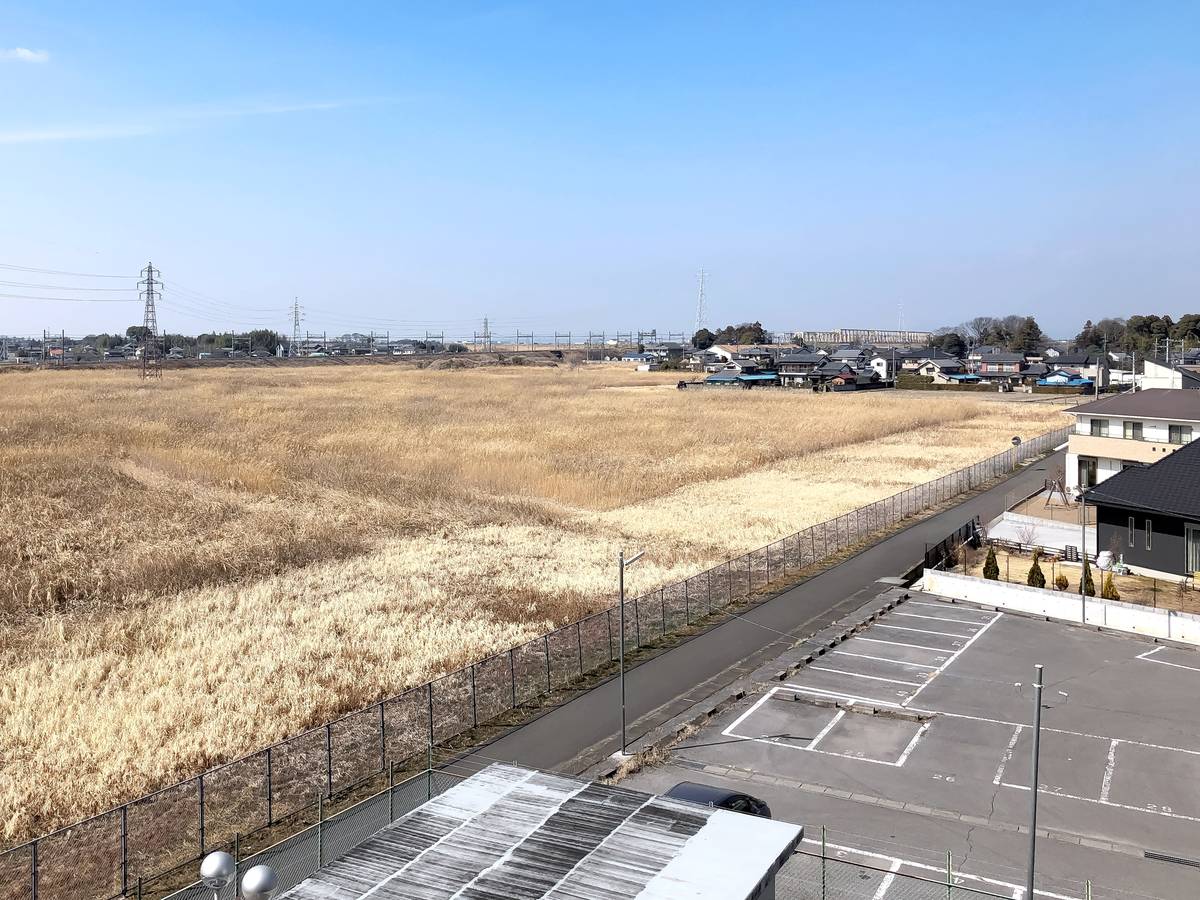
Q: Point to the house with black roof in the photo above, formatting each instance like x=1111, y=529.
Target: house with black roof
x=1149, y=516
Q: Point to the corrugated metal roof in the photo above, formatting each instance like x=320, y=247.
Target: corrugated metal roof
x=509, y=833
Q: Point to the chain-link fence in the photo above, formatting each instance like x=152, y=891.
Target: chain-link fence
x=284, y=785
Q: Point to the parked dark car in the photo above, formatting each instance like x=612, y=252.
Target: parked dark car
x=722, y=798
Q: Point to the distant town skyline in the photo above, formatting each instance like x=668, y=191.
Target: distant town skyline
x=561, y=168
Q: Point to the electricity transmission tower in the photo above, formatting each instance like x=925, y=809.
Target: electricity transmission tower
x=700, y=312
x=151, y=358
x=294, y=349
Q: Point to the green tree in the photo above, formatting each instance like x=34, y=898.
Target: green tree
x=1035, y=578
x=1089, y=586
x=1028, y=337
x=991, y=568
x=703, y=339
x=136, y=332
x=951, y=342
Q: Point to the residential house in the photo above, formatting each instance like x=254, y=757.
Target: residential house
x=704, y=361
x=635, y=356
x=911, y=359
x=1001, y=367
x=946, y=371
x=1158, y=374
x=976, y=355
x=743, y=373
x=1089, y=365
x=1149, y=515
x=1126, y=429
x=795, y=369
x=1064, y=378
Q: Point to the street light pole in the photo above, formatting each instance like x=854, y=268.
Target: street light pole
x=622, y=565
x=1033, y=787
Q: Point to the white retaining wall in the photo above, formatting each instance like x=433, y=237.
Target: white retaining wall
x=1131, y=617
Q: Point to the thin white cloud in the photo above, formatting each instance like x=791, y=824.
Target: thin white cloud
x=24, y=54
x=167, y=119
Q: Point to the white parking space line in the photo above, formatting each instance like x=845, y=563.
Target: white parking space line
x=942, y=668
x=1162, y=662
x=748, y=713
x=884, y=885
x=828, y=728
x=810, y=748
x=898, y=662
x=933, y=618
x=868, y=677
x=1106, y=784
x=898, y=644
x=1008, y=754
x=922, y=631
x=838, y=695
x=1166, y=813
x=925, y=867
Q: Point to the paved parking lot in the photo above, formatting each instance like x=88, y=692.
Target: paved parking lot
x=915, y=733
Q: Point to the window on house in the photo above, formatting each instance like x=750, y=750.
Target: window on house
x=1133, y=431
x=1099, y=427
x=1149, y=532
x=1180, y=434
x=1132, y=530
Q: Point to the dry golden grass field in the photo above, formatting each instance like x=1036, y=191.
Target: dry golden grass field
x=368, y=527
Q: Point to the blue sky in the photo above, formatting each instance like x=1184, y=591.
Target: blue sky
x=571, y=165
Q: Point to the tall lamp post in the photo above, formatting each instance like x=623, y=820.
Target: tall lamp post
x=622, y=565
x=219, y=870
x=1033, y=787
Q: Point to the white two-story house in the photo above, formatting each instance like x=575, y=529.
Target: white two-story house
x=1126, y=429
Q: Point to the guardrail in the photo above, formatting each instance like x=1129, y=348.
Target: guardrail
x=165, y=832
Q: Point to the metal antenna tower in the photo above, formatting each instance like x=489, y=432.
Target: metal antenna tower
x=151, y=358
x=700, y=311
x=294, y=348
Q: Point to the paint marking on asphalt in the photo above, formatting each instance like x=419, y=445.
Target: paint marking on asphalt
x=858, y=675
x=925, y=867
x=898, y=662
x=942, y=668
x=1109, y=803
x=841, y=714
x=922, y=631
x=1106, y=784
x=898, y=644
x=936, y=618
x=1008, y=753
x=1162, y=662
x=884, y=885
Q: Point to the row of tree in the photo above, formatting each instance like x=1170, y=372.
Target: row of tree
x=746, y=333
x=1018, y=334
x=1144, y=335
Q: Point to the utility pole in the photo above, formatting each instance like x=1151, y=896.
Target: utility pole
x=149, y=287
x=1033, y=786
x=622, y=565
x=294, y=349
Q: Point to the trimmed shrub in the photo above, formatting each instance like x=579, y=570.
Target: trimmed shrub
x=1061, y=583
x=1035, y=578
x=1089, y=586
x=1109, y=591
x=991, y=569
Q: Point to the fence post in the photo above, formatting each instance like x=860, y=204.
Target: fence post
x=429, y=692
x=637, y=623
x=949, y=876
x=579, y=644
x=708, y=591
x=474, y=700
x=329, y=760
x=608, y=622
x=270, y=810
x=822, y=862
x=512, y=673
x=662, y=602
x=33, y=871
x=812, y=542
x=237, y=855
x=687, y=609
x=546, y=650
x=768, y=563
x=320, y=831
x=200, y=794
x=382, y=738
x=391, y=792
x=124, y=849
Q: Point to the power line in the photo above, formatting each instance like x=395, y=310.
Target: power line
x=60, y=272
x=71, y=299
x=65, y=287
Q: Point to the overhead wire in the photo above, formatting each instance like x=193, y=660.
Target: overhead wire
x=61, y=272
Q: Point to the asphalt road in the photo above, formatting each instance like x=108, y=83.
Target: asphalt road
x=584, y=730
